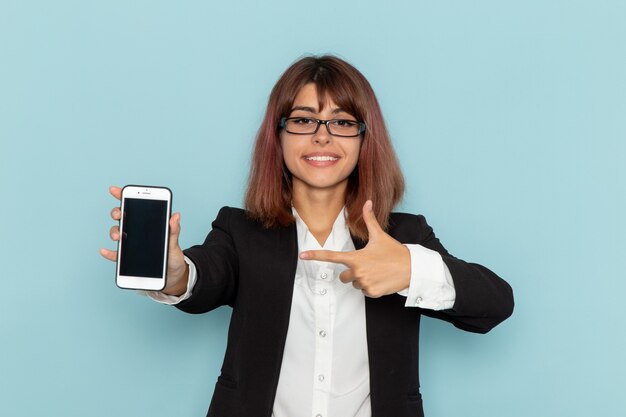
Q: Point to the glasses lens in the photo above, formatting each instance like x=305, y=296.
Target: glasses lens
x=301, y=125
x=344, y=127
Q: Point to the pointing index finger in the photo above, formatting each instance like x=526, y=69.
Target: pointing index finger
x=327, y=256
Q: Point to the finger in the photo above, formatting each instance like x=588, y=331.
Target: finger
x=116, y=213
x=373, y=227
x=116, y=192
x=174, y=229
x=357, y=285
x=111, y=255
x=328, y=256
x=114, y=233
x=347, y=276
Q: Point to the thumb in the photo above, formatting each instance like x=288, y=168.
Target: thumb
x=373, y=227
x=174, y=229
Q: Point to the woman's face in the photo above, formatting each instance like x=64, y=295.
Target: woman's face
x=319, y=160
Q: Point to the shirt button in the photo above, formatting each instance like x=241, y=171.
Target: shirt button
x=418, y=301
x=323, y=291
x=323, y=275
x=320, y=377
x=318, y=415
x=322, y=333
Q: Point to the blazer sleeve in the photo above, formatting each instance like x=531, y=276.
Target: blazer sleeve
x=217, y=269
x=483, y=299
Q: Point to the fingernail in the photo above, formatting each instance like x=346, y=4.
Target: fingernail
x=304, y=255
x=369, y=205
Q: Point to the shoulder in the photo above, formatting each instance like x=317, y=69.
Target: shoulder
x=400, y=220
x=227, y=212
x=409, y=228
x=233, y=217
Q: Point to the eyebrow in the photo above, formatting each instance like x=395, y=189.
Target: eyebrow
x=312, y=110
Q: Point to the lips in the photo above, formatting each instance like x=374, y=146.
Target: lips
x=321, y=159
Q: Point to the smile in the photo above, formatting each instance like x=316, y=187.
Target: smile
x=320, y=158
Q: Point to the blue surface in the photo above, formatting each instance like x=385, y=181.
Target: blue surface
x=509, y=121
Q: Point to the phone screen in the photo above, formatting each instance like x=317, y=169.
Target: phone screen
x=143, y=238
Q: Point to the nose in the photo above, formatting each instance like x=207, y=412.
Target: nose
x=322, y=136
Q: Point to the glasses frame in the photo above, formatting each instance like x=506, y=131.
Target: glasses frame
x=283, y=125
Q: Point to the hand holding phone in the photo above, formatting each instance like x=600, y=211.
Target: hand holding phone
x=151, y=260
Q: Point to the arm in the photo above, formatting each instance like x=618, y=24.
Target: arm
x=383, y=267
x=216, y=269
x=483, y=300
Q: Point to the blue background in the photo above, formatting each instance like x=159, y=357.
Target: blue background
x=509, y=121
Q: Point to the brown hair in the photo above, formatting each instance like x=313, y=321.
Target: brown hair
x=377, y=175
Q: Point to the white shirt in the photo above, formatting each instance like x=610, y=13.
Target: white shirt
x=325, y=370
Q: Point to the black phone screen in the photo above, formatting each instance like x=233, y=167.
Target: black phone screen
x=143, y=238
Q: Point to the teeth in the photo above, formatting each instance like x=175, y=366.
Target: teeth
x=321, y=158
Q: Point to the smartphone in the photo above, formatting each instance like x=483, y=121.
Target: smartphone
x=144, y=237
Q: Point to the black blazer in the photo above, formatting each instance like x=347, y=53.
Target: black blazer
x=252, y=269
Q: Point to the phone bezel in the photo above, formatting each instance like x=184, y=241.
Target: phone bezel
x=148, y=193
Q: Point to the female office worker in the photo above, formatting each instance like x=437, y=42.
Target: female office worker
x=327, y=285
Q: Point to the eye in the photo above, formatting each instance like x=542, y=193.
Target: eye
x=344, y=123
x=303, y=121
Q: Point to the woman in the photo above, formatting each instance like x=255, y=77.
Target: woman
x=327, y=285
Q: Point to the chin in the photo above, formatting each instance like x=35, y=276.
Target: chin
x=324, y=184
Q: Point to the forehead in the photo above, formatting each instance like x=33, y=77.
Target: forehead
x=310, y=98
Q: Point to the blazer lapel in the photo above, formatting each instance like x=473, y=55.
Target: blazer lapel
x=277, y=306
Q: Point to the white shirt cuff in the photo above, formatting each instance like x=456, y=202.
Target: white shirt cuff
x=172, y=299
x=431, y=283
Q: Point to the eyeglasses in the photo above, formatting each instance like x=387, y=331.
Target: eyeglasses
x=310, y=125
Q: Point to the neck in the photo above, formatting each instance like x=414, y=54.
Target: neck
x=319, y=208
